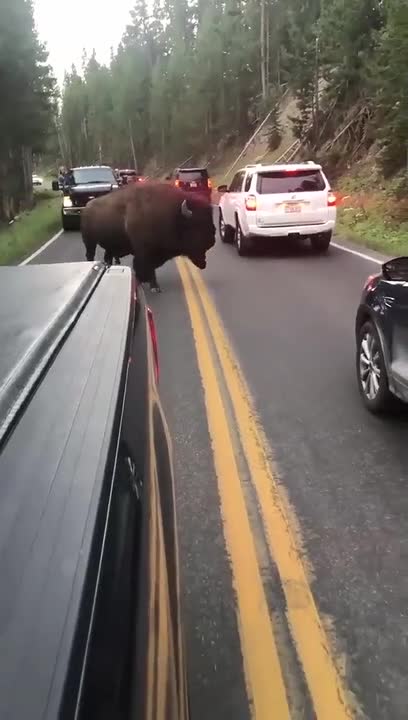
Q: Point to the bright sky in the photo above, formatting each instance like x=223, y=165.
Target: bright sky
x=68, y=27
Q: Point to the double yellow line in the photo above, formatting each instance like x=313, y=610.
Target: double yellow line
x=267, y=686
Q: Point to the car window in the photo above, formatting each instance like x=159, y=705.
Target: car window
x=237, y=181
x=188, y=175
x=87, y=176
x=248, y=182
x=290, y=181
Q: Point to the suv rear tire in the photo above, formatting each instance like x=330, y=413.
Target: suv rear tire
x=242, y=242
x=320, y=243
x=226, y=231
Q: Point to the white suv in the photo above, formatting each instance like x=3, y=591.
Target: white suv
x=290, y=201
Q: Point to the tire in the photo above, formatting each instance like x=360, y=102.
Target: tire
x=320, y=243
x=69, y=223
x=372, y=377
x=242, y=242
x=226, y=231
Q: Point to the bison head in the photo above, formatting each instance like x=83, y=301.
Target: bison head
x=197, y=230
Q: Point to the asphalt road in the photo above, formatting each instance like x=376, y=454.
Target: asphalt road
x=290, y=319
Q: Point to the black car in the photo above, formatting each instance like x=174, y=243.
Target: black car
x=80, y=185
x=126, y=177
x=90, y=595
x=194, y=180
x=382, y=337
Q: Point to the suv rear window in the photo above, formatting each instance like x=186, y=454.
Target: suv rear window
x=283, y=181
x=189, y=175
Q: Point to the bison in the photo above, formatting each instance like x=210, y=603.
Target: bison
x=153, y=222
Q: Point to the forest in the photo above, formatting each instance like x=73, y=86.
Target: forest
x=191, y=77
x=28, y=104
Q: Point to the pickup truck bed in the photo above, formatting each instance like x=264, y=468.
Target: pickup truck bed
x=65, y=344
x=51, y=470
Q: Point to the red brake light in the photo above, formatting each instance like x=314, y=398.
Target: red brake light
x=370, y=281
x=209, y=184
x=177, y=183
x=153, y=335
x=331, y=199
x=250, y=202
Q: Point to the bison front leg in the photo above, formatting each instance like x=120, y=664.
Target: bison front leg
x=145, y=273
x=90, y=250
x=108, y=257
x=154, y=285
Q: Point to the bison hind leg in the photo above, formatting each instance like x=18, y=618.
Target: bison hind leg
x=90, y=250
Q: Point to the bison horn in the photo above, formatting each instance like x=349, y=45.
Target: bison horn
x=185, y=210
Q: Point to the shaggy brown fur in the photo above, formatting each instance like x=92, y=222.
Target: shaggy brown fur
x=154, y=222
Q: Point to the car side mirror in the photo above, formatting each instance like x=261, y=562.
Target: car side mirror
x=55, y=185
x=396, y=269
x=222, y=188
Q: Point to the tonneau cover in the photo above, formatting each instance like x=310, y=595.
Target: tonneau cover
x=52, y=469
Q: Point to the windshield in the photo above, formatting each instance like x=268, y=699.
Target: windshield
x=87, y=176
x=282, y=181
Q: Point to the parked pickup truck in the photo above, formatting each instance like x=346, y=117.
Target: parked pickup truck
x=90, y=623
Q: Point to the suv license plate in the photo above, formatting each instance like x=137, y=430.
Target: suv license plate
x=193, y=184
x=293, y=208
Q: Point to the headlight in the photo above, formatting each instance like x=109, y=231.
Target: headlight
x=67, y=202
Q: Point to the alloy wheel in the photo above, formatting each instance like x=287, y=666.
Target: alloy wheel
x=370, y=368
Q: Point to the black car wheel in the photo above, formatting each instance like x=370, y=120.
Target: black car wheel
x=371, y=370
x=242, y=241
x=320, y=243
x=226, y=231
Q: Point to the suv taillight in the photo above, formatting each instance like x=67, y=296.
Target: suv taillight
x=331, y=199
x=250, y=202
x=177, y=183
x=209, y=184
x=155, y=345
x=371, y=281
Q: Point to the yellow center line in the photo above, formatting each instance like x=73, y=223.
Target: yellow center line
x=326, y=688
x=265, y=686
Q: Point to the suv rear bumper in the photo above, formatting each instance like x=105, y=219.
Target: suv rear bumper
x=302, y=230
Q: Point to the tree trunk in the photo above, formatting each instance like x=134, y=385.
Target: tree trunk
x=262, y=44
x=268, y=43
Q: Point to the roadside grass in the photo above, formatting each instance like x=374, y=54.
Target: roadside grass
x=374, y=232
x=374, y=214
x=32, y=229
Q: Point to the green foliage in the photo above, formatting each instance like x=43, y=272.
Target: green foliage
x=30, y=230
x=191, y=73
x=392, y=84
x=27, y=103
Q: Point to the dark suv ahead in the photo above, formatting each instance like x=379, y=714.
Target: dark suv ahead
x=382, y=337
x=193, y=180
x=80, y=185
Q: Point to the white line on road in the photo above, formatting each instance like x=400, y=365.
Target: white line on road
x=42, y=248
x=358, y=253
